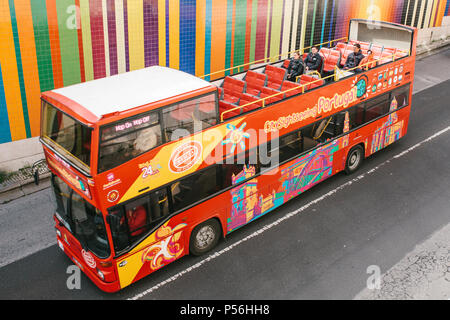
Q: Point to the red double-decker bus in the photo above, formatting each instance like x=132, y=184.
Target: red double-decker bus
x=155, y=164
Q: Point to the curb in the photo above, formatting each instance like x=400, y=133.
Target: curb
x=24, y=188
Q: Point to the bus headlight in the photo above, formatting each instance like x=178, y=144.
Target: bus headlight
x=100, y=274
x=58, y=233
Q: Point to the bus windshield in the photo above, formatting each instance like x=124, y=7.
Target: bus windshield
x=67, y=136
x=80, y=218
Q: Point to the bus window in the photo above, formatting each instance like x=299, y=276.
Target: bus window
x=401, y=95
x=186, y=118
x=68, y=135
x=128, y=139
x=195, y=188
x=290, y=146
x=138, y=217
x=377, y=107
x=89, y=227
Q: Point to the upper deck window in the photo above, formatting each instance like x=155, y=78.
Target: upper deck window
x=188, y=117
x=67, y=136
x=128, y=138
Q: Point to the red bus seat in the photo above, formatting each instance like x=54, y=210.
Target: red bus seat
x=246, y=99
x=332, y=59
x=275, y=77
x=232, y=89
x=267, y=92
x=288, y=85
x=307, y=80
x=255, y=81
x=286, y=63
x=136, y=220
x=225, y=106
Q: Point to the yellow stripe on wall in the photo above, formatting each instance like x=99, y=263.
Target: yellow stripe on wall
x=87, y=40
x=29, y=64
x=174, y=34
x=136, y=34
x=10, y=74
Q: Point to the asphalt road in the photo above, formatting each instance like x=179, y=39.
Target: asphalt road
x=318, y=246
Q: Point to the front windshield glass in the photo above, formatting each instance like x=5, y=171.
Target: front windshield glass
x=84, y=221
x=67, y=136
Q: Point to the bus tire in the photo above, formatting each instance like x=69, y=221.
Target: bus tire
x=354, y=160
x=204, y=237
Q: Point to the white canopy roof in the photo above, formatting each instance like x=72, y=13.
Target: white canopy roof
x=132, y=89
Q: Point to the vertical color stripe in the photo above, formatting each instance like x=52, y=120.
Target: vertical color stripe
x=97, y=38
x=87, y=42
x=135, y=12
x=11, y=86
x=23, y=95
x=29, y=66
x=187, y=30
x=68, y=35
x=120, y=36
x=174, y=34
x=208, y=25
x=5, y=133
x=112, y=37
x=200, y=37
x=55, y=50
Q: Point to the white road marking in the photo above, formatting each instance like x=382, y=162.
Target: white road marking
x=286, y=217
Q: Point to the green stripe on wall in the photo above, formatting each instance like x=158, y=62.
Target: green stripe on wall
x=68, y=37
x=228, y=36
x=239, y=33
x=275, y=35
x=43, y=51
x=253, y=33
x=23, y=94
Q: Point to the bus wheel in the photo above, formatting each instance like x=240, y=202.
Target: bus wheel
x=354, y=159
x=204, y=237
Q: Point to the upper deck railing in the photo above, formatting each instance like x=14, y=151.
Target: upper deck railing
x=268, y=59
x=335, y=75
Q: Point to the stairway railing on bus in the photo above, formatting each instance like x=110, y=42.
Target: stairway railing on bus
x=302, y=86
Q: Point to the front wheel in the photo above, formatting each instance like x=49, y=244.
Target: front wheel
x=355, y=159
x=204, y=237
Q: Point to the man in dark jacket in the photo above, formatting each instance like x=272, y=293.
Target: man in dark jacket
x=313, y=61
x=295, y=68
x=354, y=58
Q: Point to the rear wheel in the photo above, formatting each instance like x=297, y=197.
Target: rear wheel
x=355, y=159
x=204, y=237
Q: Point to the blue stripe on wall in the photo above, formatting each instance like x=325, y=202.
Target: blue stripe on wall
x=208, y=16
x=5, y=133
x=187, y=35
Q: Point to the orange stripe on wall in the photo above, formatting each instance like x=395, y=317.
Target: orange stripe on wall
x=53, y=33
x=200, y=38
x=10, y=74
x=29, y=64
x=218, y=41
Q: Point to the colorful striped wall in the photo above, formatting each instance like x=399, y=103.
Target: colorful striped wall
x=47, y=44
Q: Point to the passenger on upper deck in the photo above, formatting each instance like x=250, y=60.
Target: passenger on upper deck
x=354, y=58
x=313, y=61
x=296, y=67
x=368, y=62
